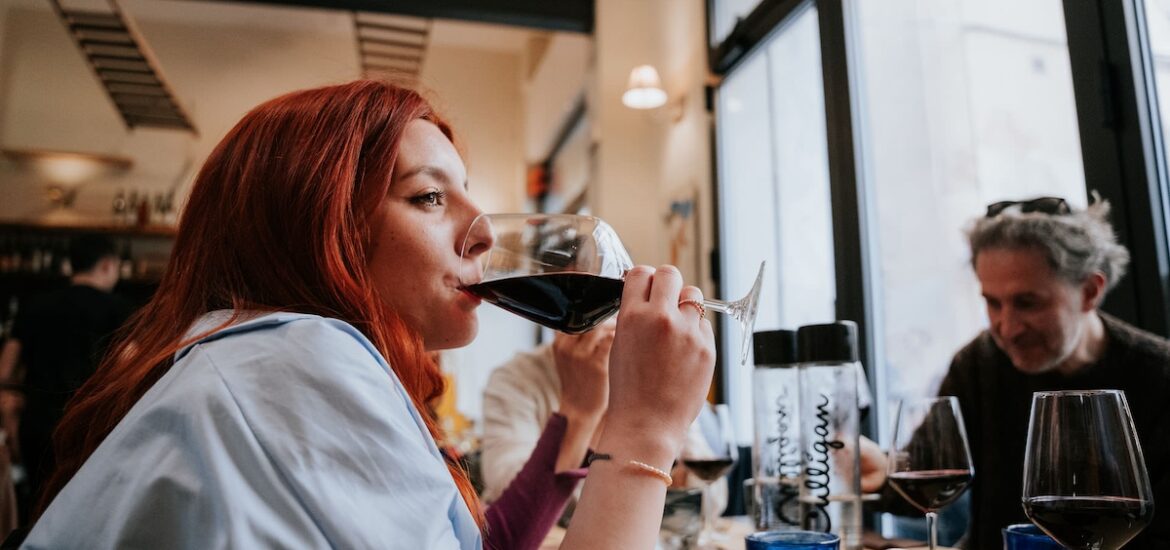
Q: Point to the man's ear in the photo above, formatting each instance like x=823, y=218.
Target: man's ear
x=1092, y=291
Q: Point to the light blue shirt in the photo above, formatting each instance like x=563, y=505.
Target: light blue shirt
x=283, y=431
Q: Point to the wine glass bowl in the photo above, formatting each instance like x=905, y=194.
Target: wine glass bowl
x=1085, y=479
x=929, y=462
x=563, y=271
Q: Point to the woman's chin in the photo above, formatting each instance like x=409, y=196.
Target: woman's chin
x=452, y=339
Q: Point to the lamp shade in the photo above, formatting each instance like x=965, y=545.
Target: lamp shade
x=644, y=90
x=67, y=169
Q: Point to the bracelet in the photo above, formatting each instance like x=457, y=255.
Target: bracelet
x=638, y=467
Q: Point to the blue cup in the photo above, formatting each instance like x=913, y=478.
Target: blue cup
x=1025, y=536
x=792, y=540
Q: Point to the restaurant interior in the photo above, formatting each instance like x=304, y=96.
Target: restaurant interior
x=845, y=143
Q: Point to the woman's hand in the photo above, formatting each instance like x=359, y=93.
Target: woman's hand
x=659, y=372
x=873, y=466
x=662, y=360
x=582, y=363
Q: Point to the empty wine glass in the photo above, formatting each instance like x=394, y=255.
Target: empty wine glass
x=1085, y=480
x=710, y=463
x=929, y=461
x=564, y=271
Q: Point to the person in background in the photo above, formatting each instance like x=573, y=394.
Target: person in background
x=1044, y=270
x=565, y=378
x=57, y=340
x=272, y=392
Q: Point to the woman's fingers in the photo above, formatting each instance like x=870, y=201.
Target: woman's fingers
x=637, y=284
x=666, y=286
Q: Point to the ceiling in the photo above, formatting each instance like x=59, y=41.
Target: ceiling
x=555, y=15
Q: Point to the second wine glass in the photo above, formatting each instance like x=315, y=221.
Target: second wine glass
x=1085, y=480
x=930, y=462
x=564, y=271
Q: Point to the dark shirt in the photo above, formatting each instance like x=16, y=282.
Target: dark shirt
x=63, y=335
x=996, y=401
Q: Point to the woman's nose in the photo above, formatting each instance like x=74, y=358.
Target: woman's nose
x=480, y=237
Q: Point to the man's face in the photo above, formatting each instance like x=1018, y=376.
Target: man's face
x=1037, y=318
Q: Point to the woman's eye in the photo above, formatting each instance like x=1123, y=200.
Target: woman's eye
x=432, y=198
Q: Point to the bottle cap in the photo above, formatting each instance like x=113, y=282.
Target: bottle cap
x=829, y=343
x=774, y=348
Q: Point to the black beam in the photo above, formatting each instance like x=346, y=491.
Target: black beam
x=748, y=32
x=1122, y=149
x=847, y=190
x=556, y=15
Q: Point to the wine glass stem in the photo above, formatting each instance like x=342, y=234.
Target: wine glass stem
x=717, y=305
x=708, y=509
x=932, y=529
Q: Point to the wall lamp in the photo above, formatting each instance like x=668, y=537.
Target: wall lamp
x=65, y=171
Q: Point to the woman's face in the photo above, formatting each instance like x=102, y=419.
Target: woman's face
x=419, y=229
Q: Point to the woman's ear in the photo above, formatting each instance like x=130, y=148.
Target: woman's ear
x=1092, y=291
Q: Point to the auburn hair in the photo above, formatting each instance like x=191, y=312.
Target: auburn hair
x=280, y=218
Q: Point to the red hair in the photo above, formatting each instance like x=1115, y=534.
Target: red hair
x=280, y=218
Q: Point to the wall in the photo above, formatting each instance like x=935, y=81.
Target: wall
x=647, y=158
x=223, y=59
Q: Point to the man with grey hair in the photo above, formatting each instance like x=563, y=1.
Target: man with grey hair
x=1044, y=269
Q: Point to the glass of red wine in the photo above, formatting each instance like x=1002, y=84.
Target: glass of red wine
x=929, y=461
x=709, y=463
x=564, y=271
x=1085, y=480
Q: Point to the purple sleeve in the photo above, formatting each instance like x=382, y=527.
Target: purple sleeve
x=525, y=512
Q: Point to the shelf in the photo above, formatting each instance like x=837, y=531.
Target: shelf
x=158, y=231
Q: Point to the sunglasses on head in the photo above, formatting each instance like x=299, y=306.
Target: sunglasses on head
x=1043, y=205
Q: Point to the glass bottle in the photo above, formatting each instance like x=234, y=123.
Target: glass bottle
x=776, y=446
x=830, y=491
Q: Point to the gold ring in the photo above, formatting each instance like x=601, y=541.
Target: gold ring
x=698, y=307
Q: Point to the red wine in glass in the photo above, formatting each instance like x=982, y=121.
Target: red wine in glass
x=1090, y=522
x=566, y=301
x=1085, y=480
x=929, y=460
x=708, y=469
x=564, y=271
x=931, y=489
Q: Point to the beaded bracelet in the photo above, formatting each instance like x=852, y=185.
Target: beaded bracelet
x=638, y=467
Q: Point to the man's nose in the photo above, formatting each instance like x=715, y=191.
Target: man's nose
x=1010, y=325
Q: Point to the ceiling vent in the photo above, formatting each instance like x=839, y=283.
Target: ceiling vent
x=119, y=56
x=391, y=47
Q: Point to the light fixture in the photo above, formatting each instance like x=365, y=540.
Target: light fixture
x=64, y=171
x=644, y=90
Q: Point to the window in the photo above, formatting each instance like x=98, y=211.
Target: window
x=963, y=102
x=774, y=197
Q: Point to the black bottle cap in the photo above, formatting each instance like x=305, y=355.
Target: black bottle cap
x=774, y=348
x=829, y=343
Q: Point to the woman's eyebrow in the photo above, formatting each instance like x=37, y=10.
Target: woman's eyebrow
x=428, y=170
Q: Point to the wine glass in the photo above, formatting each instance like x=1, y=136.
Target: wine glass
x=929, y=461
x=564, y=271
x=710, y=463
x=1085, y=480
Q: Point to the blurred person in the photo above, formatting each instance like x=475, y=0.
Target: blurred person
x=272, y=392
x=1044, y=270
x=564, y=380
x=58, y=338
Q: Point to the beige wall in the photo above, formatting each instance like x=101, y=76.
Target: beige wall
x=648, y=158
x=223, y=59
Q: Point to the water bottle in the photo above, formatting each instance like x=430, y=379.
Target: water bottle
x=830, y=490
x=776, y=446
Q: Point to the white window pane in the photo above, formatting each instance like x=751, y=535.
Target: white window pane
x=964, y=102
x=805, y=268
x=774, y=192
